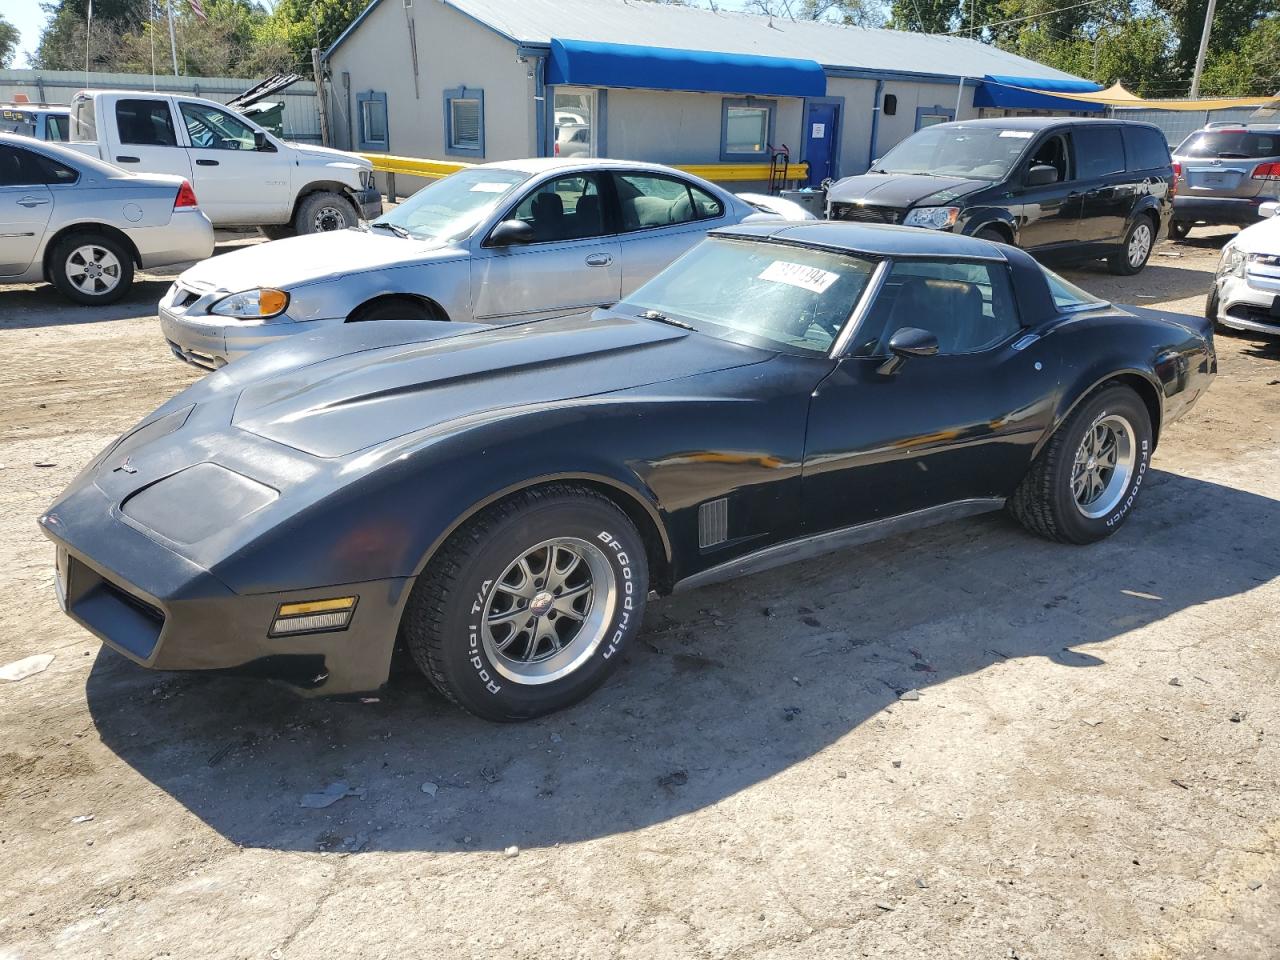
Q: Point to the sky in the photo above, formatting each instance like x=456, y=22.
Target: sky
x=27, y=16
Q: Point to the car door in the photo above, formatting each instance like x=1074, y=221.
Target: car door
x=245, y=183
x=573, y=261
x=660, y=218
x=1048, y=214
x=146, y=138
x=1108, y=193
x=936, y=430
x=26, y=205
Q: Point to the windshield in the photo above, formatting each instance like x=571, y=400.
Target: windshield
x=1067, y=296
x=957, y=150
x=767, y=294
x=452, y=208
x=1230, y=144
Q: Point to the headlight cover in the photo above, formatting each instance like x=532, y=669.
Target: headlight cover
x=935, y=218
x=252, y=304
x=1232, y=262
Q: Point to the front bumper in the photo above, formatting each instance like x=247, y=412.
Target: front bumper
x=164, y=612
x=1251, y=302
x=210, y=342
x=368, y=202
x=1215, y=211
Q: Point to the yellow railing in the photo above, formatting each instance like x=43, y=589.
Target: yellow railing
x=717, y=172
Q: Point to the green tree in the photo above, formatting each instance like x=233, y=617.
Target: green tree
x=9, y=38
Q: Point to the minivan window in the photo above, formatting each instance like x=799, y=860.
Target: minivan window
x=957, y=150
x=1099, y=151
x=1230, y=145
x=1145, y=149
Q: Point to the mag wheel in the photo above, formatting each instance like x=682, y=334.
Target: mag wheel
x=528, y=606
x=1136, y=249
x=91, y=268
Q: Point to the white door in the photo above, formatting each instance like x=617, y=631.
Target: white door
x=232, y=175
x=146, y=138
x=573, y=262
x=25, y=206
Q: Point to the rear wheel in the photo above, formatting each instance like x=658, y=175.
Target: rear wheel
x=1136, y=248
x=324, y=211
x=528, y=606
x=1085, y=481
x=1178, y=229
x=91, y=268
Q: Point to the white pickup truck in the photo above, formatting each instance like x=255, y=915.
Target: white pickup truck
x=243, y=175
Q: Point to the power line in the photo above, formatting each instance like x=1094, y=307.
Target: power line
x=1032, y=16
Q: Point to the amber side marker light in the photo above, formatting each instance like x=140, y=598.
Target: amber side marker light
x=313, y=616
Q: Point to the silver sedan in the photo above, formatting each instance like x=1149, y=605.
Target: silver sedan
x=512, y=240
x=84, y=225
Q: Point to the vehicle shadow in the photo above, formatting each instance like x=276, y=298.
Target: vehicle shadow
x=1157, y=281
x=725, y=688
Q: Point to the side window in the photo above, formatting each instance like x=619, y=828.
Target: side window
x=968, y=306
x=373, y=121
x=1053, y=152
x=1099, y=151
x=55, y=127
x=22, y=168
x=648, y=200
x=746, y=128
x=464, y=121
x=13, y=170
x=1145, y=149
x=145, y=123
x=567, y=208
x=213, y=129
x=48, y=170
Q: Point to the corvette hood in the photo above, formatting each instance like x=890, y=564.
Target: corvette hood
x=902, y=190
x=353, y=401
x=318, y=256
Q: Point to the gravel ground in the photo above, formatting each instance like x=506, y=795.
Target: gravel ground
x=1090, y=770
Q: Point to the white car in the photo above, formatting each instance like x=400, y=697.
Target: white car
x=1246, y=291
x=500, y=242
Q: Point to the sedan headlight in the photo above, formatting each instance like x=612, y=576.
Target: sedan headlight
x=1232, y=262
x=252, y=304
x=936, y=218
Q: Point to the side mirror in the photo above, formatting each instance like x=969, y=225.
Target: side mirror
x=908, y=342
x=510, y=233
x=261, y=143
x=1270, y=209
x=1041, y=175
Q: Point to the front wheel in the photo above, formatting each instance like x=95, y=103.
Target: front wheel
x=1083, y=484
x=91, y=268
x=1136, y=249
x=992, y=234
x=323, y=211
x=528, y=606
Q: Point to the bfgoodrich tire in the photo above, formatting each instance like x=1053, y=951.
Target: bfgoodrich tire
x=528, y=606
x=1083, y=485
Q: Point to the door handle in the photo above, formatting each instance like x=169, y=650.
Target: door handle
x=599, y=260
x=207, y=163
x=127, y=160
x=33, y=201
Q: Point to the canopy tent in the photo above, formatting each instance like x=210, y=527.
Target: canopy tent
x=1033, y=93
x=591, y=64
x=1114, y=96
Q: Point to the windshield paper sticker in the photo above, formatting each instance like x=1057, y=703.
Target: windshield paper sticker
x=798, y=275
x=1016, y=134
x=491, y=188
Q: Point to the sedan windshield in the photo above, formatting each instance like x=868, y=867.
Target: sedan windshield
x=767, y=294
x=974, y=153
x=452, y=208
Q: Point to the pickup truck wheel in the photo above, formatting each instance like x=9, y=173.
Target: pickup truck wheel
x=529, y=606
x=91, y=268
x=324, y=211
x=1135, y=250
x=1083, y=484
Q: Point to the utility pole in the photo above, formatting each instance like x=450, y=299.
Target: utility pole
x=1204, y=48
x=324, y=114
x=173, y=39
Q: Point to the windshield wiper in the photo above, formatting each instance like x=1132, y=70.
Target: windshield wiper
x=399, y=231
x=1233, y=156
x=663, y=318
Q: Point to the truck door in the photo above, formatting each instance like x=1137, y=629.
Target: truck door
x=143, y=137
x=239, y=175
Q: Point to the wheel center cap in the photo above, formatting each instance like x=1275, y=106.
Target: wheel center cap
x=541, y=604
x=1093, y=462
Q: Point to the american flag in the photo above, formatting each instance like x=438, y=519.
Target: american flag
x=198, y=9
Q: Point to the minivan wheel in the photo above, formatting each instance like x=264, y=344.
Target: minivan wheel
x=1178, y=229
x=1085, y=481
x=528, y=607
x=1136, y=249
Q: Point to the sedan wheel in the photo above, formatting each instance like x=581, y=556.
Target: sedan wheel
x=91, y=269
x=528, y=606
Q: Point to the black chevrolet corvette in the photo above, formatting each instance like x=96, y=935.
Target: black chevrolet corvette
x=505, y=498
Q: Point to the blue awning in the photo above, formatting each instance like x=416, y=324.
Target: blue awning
x=1000, y=91
x=589, y=64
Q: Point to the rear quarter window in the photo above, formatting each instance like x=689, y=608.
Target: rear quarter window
x=1145, y=149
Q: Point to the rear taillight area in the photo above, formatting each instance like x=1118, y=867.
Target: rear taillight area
x=1177, y=175
x=1267, y=171
x=186, y=199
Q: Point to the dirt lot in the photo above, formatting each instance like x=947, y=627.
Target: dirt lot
x=1091, y=769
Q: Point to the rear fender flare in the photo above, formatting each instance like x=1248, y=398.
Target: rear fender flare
x=1144, y=382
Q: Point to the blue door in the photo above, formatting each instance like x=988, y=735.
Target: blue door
x=822, y=131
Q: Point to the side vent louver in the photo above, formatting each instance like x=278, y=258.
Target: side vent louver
x=713, y=522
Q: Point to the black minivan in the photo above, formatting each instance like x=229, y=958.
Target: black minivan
x=1063, y=188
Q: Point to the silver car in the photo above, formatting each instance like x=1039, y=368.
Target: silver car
x=84, y=225
x=497, y=242
x=1226, y=172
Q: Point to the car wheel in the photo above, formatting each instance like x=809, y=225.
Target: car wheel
x=395, y=308
x=1136, y=249
x=1178, y=229
x=528, y=607
x=992, y=234
x=1083, y=484
x=1211, y=308
x=278, y=231
x=91, y=268
x=324, y=211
